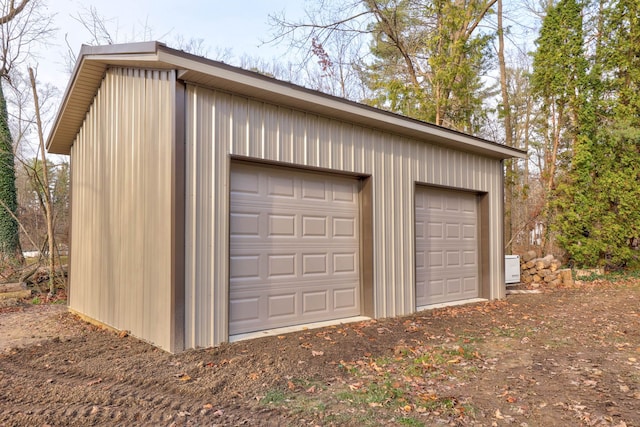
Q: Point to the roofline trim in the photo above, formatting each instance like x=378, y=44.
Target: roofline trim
x=185, y=63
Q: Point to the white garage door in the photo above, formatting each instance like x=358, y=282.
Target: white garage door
x=446, y=246
x=294, y=248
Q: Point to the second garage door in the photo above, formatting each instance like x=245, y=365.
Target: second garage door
x=294, y=248
x=446, y=246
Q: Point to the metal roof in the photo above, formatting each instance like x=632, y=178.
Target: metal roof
x=94, y=60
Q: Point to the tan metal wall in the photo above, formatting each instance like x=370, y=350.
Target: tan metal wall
x=220, y=125
x=121, y=215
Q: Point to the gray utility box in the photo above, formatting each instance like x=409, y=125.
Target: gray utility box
x=511, y=269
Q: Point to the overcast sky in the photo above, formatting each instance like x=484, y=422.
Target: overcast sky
x=238, y=25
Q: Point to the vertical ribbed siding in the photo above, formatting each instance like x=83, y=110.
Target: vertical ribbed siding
x=221, y=125
x=121, y=241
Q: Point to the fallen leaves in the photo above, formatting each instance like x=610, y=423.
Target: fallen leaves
x=184, y=377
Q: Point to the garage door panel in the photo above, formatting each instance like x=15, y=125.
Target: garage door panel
x=302, y=263
x=470, y=283
x=434, y=203
x=434, y=231
x=345, y=263
x=314, y=190
x=245, y=266
x=469, y=231
x=314, y=264
x=314, y=226
x=344, y=227
x=281, y=225
x=247, y=183
x=344, y=193
x=469, y=206
x=436, y=259
x=435, y=288
x=245, y=224
x=453, y=259
x=281, y=187
x=315, y=302
x=453, y=286
x=449, y=271
x=244, y=309
x=279, y=266
x=345, y=299
x=470, y=259
x=451, y=204
x=282, y=305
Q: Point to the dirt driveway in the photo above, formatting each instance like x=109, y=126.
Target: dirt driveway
x=562, y=358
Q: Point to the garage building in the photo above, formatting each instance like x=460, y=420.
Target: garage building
x=211, y=203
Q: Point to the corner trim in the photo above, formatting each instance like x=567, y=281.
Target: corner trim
x=177, y=339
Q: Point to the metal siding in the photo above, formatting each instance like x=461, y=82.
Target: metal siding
x=121, y=244
x=289, y=136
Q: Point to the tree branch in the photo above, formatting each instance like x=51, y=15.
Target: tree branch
x=13, y=11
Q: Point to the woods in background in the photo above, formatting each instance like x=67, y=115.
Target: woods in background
x=570, y=99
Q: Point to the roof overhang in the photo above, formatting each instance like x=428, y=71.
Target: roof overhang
x=93, y=62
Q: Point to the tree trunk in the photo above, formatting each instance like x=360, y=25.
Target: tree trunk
x=508, y=136
x=46, y=188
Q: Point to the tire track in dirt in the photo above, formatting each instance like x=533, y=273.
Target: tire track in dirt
x=79, y=397
x=90, y=389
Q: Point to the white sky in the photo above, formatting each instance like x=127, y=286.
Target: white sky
x=238, y=25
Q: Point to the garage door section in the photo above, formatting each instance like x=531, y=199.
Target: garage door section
x=294, y=248
x=446, y=246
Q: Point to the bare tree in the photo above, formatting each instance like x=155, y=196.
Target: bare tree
x=22, y=26
x=48, y=204
x=103, y=30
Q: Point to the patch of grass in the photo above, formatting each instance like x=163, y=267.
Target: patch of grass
x=465, y=351
x=353, y=370
x=275, y=397
x=375, y=394
x=435, y=361
x=410, y=421
x=470, y=339
x=612, y=275
x=383, y=361
x=36, y=300
x=305, y=384
x=593, y=277
x=510, y=331
x=345, y=396
x=300, y=404
x=560, y=342
x=440, y=404
x=368, y=418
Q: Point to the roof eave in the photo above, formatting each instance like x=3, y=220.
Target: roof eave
x=87, y=74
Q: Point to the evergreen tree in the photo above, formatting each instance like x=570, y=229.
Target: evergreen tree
x=429, y=58
x=558, y=79
x=598, y=219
